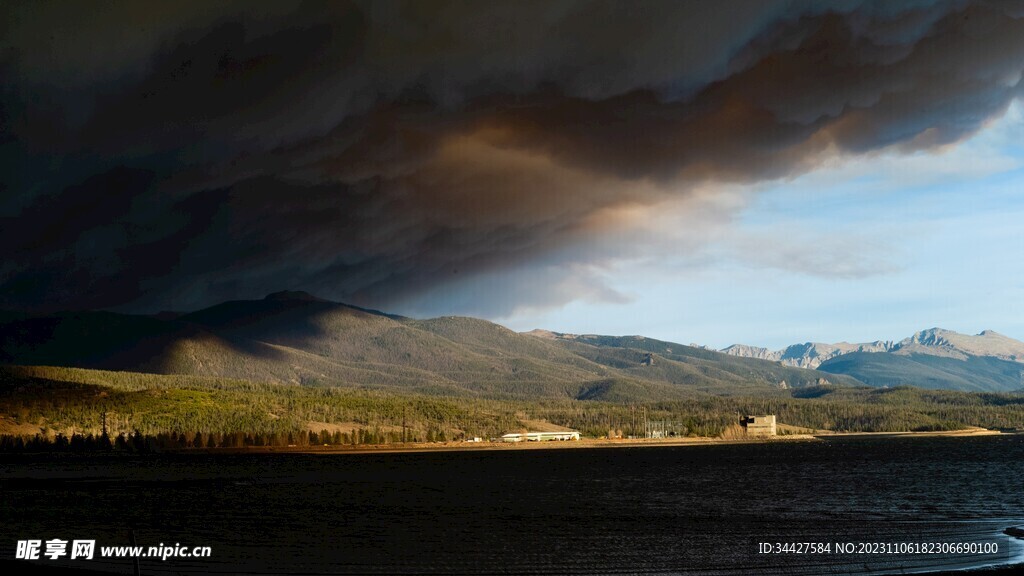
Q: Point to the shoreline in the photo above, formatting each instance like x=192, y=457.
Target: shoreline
x=497, y=446
x=587, y=443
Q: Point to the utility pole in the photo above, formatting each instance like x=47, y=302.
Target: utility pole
x=403, y=424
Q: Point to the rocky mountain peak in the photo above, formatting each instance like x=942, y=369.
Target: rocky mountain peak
x=933, y=342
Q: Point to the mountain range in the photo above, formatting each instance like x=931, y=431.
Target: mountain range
x=296, y=338
x=934, y=358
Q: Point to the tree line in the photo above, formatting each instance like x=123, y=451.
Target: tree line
x=67, y=403
x=138, y=442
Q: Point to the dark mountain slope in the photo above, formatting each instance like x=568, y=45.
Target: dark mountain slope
x=298, y=339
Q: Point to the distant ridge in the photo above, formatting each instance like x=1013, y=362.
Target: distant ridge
x=952, y=344
x=934, y=341
x=933, y=358
x=806, y=355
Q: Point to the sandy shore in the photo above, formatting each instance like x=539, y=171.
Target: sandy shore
x=585, y=443
x=972, y=431
x=588, y=443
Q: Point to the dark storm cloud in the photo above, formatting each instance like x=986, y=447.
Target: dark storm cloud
x=174, y=155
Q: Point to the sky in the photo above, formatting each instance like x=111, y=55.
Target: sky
x=858, y=250
x=709, y=172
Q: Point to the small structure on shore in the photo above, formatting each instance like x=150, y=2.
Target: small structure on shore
x=759, y=425
x=666, y=428
x=541, y=436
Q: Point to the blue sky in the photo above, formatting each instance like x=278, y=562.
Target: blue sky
x=861, y=248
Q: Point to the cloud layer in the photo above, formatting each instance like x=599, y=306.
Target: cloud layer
x=439, y=156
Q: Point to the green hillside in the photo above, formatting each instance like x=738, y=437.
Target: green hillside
x=975, y=373
x=692, y=366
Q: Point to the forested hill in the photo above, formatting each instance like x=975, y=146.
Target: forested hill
x=295, y=338
x=197, y=411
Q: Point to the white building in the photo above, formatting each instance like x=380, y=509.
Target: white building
x=541, y=436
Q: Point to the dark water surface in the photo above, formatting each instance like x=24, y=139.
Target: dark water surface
x=684, y=510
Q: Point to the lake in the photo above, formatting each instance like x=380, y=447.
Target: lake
x=638, y=510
